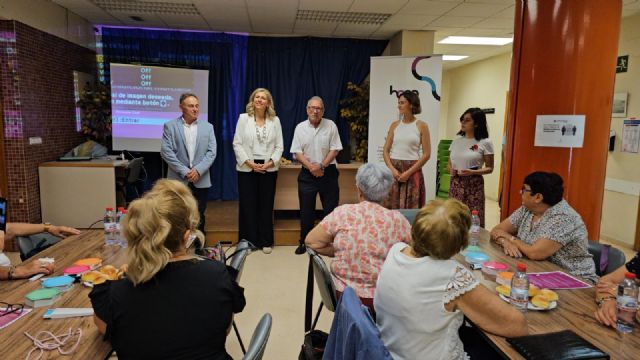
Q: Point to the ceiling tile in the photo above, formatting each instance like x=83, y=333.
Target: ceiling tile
x=218, y=4
x=173, y=19
x=494, y=24
x=378, y=6
x=273, y=4
x=281, y=21
x=325, y=5
x=470, y=9
x=508, y=13
x=209, y=11
x=410, y=22
x=304, y=27
x=355, y=29
x=456, y=21
x=420, y=7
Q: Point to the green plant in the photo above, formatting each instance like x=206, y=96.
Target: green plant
x=356, y=111
x=95, y=111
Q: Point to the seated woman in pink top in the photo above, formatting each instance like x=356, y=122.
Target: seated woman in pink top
x=358, y=236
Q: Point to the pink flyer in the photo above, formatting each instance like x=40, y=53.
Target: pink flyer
x=556, y=280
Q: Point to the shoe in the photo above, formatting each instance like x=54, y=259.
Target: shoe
x=301, y=249
x=267, y=249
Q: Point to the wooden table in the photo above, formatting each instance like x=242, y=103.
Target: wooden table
x=15, y=345
x=574, y=312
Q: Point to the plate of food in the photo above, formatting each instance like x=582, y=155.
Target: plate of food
x=540, y=299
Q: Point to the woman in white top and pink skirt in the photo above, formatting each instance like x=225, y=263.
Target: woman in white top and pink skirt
x=471, y=157
x=406, y=150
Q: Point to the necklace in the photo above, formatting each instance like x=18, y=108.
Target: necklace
x=262, y=138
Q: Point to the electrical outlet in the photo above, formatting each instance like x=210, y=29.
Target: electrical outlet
x=35, y=140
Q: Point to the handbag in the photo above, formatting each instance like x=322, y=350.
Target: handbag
x=562, y=345
x=313, y=346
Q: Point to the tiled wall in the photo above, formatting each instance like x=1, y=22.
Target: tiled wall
x=36, y=84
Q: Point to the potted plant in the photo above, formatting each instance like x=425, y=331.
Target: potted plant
x=356, y=111
x=95, y=111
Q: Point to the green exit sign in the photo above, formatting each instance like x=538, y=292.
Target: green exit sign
x=623, y=64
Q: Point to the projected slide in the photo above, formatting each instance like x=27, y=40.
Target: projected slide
x=143, y=98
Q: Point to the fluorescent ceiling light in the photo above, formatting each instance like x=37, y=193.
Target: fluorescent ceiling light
x=475, y=40
x=453, y=57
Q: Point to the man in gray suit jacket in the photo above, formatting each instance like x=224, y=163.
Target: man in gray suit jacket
x=189, y=148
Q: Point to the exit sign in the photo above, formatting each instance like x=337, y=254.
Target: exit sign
x=622, y=65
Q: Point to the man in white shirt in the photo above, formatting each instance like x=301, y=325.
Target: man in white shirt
x=316, y=143
x=189, y=149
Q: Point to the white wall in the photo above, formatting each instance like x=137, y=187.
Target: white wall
x=620, y=204
x=482, y=84
x=49, y=17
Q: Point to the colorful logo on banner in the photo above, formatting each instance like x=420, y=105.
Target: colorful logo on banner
x=428, y=80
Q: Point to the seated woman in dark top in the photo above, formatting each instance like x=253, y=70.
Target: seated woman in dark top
x=171, y=305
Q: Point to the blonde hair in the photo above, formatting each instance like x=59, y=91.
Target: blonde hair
x=155, y=226
x=270, y=112
x=441, y=229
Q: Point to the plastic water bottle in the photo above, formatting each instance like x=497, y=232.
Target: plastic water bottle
x=123, y=241
x=108, y=226
x=520, y=288
x=474, y=232
x=627, y=303
x=116, y=234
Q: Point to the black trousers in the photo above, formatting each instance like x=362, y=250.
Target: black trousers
x=257, y=192
x=309, y=187
x=202, y=196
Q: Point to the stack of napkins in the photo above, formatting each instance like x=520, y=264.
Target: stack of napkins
x=92, y=263
x=42, y=297
x=76, y=270
x=62, y=283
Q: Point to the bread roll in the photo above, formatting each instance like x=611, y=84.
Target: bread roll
x=549, y=294
x=541, y=301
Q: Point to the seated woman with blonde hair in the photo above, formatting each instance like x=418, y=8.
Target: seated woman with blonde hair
x=423, y=295
x=171, y=305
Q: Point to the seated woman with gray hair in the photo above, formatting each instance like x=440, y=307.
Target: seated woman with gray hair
x=358, y=236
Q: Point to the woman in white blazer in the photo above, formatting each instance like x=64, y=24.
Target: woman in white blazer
x=258, y=147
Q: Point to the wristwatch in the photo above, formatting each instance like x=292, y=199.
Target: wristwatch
x=47, y=226
x=322, y=166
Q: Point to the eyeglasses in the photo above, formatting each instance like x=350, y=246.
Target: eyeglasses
x=524, y=190
x=315, y=108
x=10, y=308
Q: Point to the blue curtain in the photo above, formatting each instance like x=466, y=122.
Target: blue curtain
x=295, y=69
x=224, y=55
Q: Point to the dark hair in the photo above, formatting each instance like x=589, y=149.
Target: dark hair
x=184, y=96
x=441, y=229
x=414, y=101
x=547, y=184
x=479, y=122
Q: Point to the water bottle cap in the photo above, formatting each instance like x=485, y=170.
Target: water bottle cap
x=120, y=208
x=109, y=209
x=630, y=275
x=522, y=267
x=474, y=212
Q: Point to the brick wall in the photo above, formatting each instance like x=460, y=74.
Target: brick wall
x=36, y=87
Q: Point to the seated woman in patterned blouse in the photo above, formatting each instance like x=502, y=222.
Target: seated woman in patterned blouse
x=358, y=236
x=545, y=227
x=423, y=294
x=607, y=288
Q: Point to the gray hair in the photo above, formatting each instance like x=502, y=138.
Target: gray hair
x=374, y=181
x=184, y=96
x=318, y=98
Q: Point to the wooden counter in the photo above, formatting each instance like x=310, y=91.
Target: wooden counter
x=287, y=186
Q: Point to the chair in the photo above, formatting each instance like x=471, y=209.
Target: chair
x=238, y=258
x=259, y=339
x=132, y=176
x=33, y=244
x=615, y=257
x=324, y=283
x=410, y=214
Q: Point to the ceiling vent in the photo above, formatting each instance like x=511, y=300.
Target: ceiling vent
x=342, y=17
x=147, y=7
